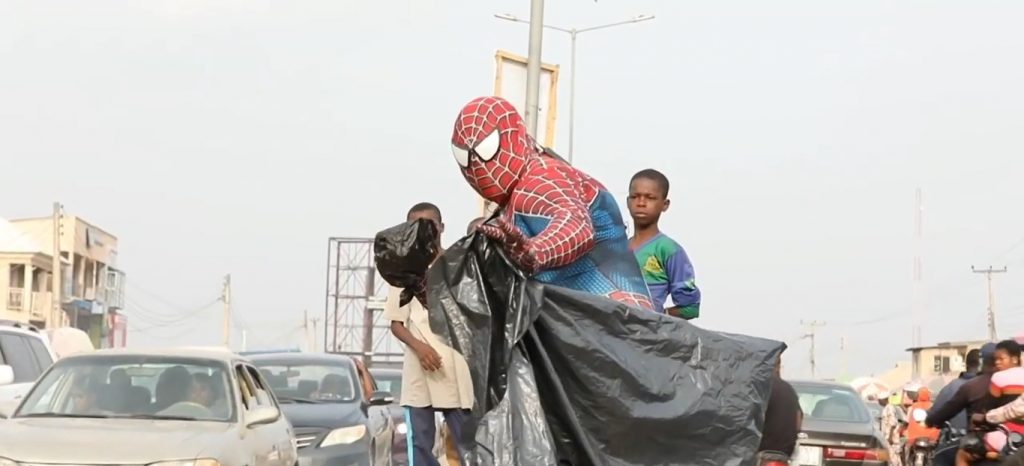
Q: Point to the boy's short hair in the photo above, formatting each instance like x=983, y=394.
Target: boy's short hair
x=655, y=176
x=423, y=207
x=1011, y=347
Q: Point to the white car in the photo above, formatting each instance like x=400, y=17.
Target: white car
x=176, y=407
x=24, y=354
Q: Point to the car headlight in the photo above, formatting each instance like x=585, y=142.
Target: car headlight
x=344, y=436
x=196, y=462
x=402, y=428
x=7, y=462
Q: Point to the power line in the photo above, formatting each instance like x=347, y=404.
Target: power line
x=155, y=296
x=173, y=336
x=163, y=319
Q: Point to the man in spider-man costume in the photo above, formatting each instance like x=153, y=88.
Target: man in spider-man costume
x=556, y=222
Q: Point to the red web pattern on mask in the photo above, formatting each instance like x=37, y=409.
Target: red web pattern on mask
x=493, y=179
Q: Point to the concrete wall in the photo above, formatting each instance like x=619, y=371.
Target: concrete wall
x=81, y=237
x=925, y=359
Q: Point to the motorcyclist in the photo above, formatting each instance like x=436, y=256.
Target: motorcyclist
x=910, y=394
x=972, y=397
x=1005, y=385
x=972, y=367
x=916, y=427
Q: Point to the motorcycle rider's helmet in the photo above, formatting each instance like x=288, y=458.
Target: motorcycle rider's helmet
x=910, y=391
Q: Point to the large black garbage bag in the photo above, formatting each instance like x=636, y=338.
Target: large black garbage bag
x=403, y=254
x=563, y=377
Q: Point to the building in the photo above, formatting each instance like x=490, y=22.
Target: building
x=92, y=285
x=943, y=360
x=25, y=277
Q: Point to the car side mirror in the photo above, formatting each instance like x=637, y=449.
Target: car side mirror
x=260, y=416
x=381, y=398
x=6, y=375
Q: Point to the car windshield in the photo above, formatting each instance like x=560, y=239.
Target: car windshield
x=391, y=383
x=830, y=403
x=309, y=381
x=130, y=386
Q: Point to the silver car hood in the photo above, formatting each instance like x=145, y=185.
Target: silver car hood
x=109, y=441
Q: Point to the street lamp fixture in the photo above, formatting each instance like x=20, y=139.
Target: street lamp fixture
x=573, y=32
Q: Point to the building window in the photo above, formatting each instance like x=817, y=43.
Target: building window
x=941, y=365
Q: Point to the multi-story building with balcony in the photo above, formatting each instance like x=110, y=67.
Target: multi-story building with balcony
x=92, y=285
x=25, y=277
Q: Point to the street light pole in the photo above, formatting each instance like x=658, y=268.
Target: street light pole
x=573, y=33
x=572, y=94
x=533, y=60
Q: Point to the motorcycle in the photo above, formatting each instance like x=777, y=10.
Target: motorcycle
x=975, y=444
x=945, y=450
x=921, y=452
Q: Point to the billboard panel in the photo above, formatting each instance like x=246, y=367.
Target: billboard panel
x=510, y=83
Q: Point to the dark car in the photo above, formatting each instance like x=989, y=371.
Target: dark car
x=332, y=401
x=390, y=380
x=876, y=412
x=838, y=429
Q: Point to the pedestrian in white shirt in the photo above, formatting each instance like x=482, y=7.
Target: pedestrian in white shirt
x=435, y=378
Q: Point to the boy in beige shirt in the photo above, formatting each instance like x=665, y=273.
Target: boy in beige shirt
x=435, y=378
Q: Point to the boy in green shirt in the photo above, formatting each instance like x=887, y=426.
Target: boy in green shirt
x=665, y=265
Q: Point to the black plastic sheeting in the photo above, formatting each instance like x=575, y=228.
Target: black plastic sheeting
x=403, y=253
x=563, y=377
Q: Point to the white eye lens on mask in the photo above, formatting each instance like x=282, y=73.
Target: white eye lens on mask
x=489, y=147
x=461, y=156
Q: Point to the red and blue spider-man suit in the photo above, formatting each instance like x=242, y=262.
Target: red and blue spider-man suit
x=556, y=223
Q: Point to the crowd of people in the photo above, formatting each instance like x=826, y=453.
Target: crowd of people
x=971, y=418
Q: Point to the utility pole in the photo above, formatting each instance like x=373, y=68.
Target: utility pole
x=991, y=298
x=312, y=347
x=310, y=337
x=226, y=299
x=918, y=306
x=533, y=60
x=842, y=354
x=57, y=296
x=812, y=335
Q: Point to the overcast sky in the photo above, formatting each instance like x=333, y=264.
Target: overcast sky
x=235, y=136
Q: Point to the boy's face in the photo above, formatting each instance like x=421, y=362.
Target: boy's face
x=1005, y=361
x=646, y=202
x=429, y=215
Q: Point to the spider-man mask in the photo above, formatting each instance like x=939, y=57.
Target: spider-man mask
x=491, y=145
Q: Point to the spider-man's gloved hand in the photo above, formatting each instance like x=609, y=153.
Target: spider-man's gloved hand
x=521, y=250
